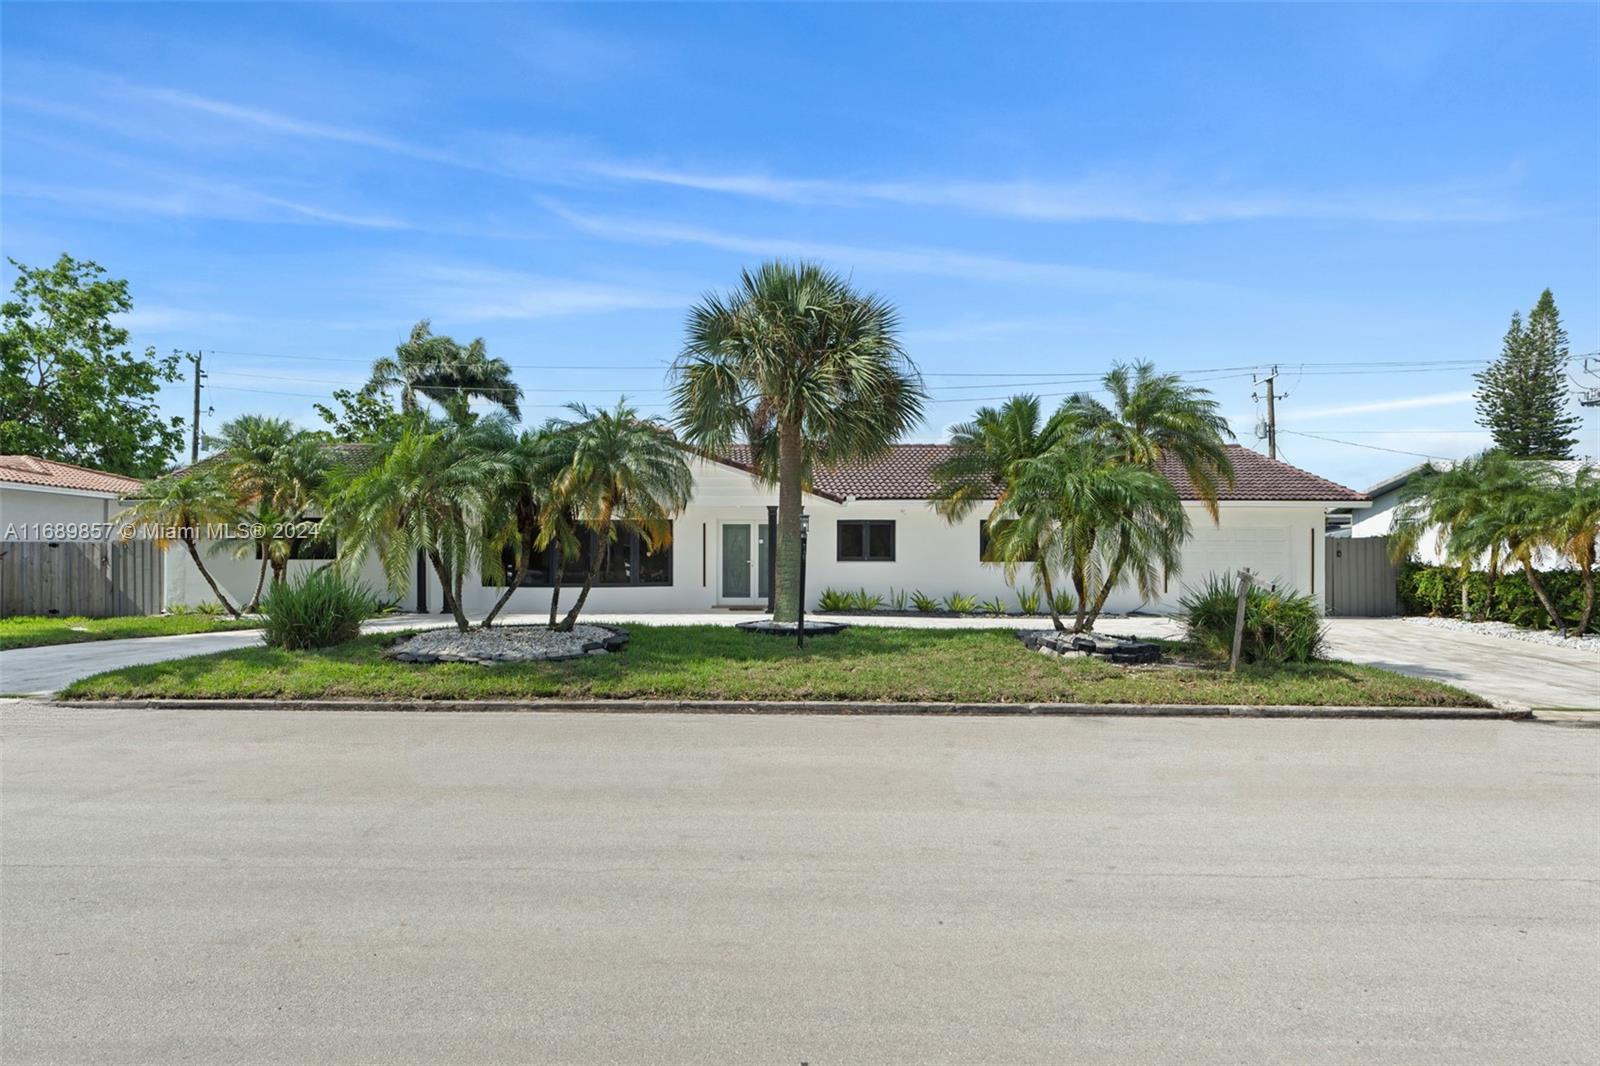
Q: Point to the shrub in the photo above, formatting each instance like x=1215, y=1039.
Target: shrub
x=178, y=610
x=1028, y=601
x=897, y=600
x=924, y=602
x=316, y=610
x=994, y=606
x=863, y=600
x=1279, y=627
x=1063, y=601
x=1436, y=591
x=956, y=603
x=834, y=600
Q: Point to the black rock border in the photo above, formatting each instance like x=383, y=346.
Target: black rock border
x=1124, y=651
x=767, y=627
x=615, y=642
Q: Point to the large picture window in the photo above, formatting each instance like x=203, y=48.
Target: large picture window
x=866, y=542
x=630, y=562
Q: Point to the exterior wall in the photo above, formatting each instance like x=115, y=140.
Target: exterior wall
x=26, y=507
x=1379, y=521
x=237, y=575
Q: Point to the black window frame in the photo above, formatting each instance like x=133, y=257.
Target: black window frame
x=541, y=574
x=866, y=555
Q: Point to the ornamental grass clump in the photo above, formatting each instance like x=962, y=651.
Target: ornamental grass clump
x=1279, y=626
x=316, y=610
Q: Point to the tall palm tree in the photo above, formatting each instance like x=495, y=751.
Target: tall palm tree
x=434, y=367
x=1462, y=505
x=526, y=516
x=1154, y=416
x=987, y=454
x=1575, y=529
x=806, y=369
x=427, y=492
x=181, y=507
x=1079, y=508
x=625, y=475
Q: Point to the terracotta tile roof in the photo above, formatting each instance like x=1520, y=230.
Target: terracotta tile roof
x=29, y=470
x=905, y=473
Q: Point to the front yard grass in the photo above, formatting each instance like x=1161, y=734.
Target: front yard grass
x=36, y=631
x=864, y=663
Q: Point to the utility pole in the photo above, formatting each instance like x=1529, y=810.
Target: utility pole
x=1271, y=381
x=194, y=427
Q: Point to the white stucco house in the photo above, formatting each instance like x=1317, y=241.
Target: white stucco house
x=872, y=526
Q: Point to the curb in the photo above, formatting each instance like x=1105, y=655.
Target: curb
x=796, y=707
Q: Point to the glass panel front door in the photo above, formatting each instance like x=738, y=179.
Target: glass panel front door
x=736, y=562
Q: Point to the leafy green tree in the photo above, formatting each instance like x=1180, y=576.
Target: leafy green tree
x=182, y=507
x=249, y=446
x=625, y=475
x=427, y=491
x=364, y=416
x=806, y=369
x=1575, y=529
x=525, y=515
x=1081, y=509
x=69, y=388
x=433, y=367
x=1522, y=396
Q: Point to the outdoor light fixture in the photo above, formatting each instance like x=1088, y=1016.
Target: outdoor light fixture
x=800, y=618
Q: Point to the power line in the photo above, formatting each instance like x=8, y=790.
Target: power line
x=1358, y=444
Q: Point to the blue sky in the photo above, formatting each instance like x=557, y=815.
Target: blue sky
x=1041, y=190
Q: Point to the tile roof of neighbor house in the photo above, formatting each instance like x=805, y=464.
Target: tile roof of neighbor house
x=31, y=470
x=905, y=472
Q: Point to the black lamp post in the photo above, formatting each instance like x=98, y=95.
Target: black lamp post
x=805, y=535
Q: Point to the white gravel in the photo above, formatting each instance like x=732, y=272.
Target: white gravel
x=504, y=644
x=1507, y=631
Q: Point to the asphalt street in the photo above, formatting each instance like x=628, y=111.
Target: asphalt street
x=278, y=887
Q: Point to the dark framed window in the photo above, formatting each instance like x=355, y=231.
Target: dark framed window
x=630, y=562
x=319, y=545
x=866, y=542
x=985, y=551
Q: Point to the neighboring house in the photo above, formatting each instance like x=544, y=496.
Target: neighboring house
x=1378, y=520
x=41, y=499
x=872, y=526
x=59, y=553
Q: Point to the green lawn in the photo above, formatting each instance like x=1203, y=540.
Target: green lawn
x=713, y=662
x=37, y=631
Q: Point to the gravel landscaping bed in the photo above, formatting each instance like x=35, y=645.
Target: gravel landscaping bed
x=1507, y=631
x=508, y=644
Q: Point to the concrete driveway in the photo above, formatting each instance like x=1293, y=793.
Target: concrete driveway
x=42, y=671
x=266, y=887
x=1508, y=673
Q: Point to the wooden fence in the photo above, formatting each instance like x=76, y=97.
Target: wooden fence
x=69, y=578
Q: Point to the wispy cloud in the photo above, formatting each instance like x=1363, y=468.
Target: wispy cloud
x=485, y=293
x=191, y=199
x=1408, y=403
x=938, y=262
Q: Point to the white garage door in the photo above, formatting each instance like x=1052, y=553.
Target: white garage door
x=1213, y=550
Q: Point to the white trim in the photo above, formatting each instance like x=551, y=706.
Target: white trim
x=99, y=494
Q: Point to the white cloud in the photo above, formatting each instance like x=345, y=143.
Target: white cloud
x=185, y=198
x=1408, y=403
x=481, y=294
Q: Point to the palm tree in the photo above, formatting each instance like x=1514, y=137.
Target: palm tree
x=182, y=507
x=427, y=492
x=433, y=367
x=1079, y=508
x=1154, y=416
x=524, y=514
x=624, y=475
x=807, y=370
x=249, y=446
x=987, y=454
x=1575, y=529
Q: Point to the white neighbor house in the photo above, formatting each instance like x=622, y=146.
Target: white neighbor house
x=871, y=526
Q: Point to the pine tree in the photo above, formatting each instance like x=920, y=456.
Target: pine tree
x=1522, y=396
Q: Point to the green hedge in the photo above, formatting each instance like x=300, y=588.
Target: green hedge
x=1436, y=591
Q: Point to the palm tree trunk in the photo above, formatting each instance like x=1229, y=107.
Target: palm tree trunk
x=600, y=556
x=261, y=579
x=516, y=579
x=791, y=464
x=188, y=542
x=1110, y=582
x=1588, y=594
x=1050, y=598
x=446, y=587
x=555, y=587
x=1544, y=597
x=1080, y=582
